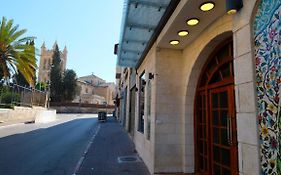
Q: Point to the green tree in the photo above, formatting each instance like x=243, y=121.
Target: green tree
x=56, y=77
x=42, y=86
x=15, y=54
x=69, y=85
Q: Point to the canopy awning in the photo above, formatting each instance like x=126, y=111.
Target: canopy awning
x=140, y=24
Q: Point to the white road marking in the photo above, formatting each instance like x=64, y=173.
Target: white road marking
x=78, y=165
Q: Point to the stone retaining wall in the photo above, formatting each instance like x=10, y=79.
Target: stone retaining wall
x=25, y=114
x=77, y=109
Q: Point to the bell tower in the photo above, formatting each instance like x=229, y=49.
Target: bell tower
x=46, y=60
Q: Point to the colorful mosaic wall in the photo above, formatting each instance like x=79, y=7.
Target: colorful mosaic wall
x=267, y=38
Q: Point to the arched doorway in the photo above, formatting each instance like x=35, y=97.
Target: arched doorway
x=215, y=123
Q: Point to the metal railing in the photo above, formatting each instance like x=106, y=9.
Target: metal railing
x=16, y=95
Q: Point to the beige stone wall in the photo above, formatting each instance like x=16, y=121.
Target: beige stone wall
x=25, y=114
x=194, y=58
x=102, y=91
x=97, y=86
x=87, y=94
x=122, y=114
x=105, y=92
x=85, y=88
x=163, y=152
x=110, y=93
x=145, y=147
x=169, y=109
x=128, y=87
x=245, y=89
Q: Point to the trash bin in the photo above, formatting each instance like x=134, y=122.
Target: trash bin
x=102, y=116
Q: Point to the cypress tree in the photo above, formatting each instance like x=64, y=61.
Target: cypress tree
x=69, y=85
x=56, y=77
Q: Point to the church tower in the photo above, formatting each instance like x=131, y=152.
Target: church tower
x=46, y=60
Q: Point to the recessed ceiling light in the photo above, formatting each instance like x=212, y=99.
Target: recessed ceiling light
x=207, y=6
x=183, y=33
x=174, y=42
x=192, y=21
x=231, y=11
x=232, y=6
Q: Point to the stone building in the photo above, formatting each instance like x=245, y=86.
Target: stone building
x=200, y=85
x=95, y=90
x=87, y=94
x=46, y=60
x=92, y=79
x=106, y=90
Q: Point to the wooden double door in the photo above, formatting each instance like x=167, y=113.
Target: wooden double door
x=216, y=138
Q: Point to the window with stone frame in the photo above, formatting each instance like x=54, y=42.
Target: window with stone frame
x=47, y=64
x=148, y=106
x=44, y=64
x=141, y=91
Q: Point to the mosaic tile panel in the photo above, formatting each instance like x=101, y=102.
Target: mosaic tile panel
x=267, y=38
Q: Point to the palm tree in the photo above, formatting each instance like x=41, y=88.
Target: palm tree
x=15, y=55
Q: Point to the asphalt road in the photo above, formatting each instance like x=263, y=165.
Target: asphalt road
x=45, y=149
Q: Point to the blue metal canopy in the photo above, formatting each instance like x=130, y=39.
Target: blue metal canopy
x=141, y=19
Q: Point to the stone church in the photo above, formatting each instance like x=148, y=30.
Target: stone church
x=46, y=59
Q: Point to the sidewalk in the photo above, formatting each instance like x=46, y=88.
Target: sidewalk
x=110, y=143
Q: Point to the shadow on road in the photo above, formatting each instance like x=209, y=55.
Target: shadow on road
x=52, y=150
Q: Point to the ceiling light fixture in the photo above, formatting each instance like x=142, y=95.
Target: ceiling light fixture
x=231, y=11
x=207, y=6
x=174, y=42
x=192, y=21
x=183, y=33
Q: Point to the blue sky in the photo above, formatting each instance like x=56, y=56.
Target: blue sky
x=89, y=29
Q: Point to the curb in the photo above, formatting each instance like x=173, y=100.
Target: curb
x=81, y=160
x=11, y=125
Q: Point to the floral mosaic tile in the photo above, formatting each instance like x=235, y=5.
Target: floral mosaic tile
x=267, y=40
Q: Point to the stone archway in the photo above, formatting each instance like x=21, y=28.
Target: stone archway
x=192, y=81
x=214, y=118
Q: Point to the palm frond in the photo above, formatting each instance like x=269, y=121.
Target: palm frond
x=13, y=30
x=17, y=34
x=2, y=29
x=9, y=24
x=29, y=38
x=15, y=54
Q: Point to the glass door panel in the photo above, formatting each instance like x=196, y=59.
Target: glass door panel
x=222, y=128
x=202, y=148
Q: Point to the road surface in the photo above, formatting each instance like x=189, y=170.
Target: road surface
x=45, y=149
